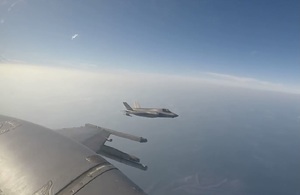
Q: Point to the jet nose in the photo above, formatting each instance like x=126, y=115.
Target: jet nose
x=175, y=115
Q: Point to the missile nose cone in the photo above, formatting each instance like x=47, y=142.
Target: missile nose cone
x=143, y=140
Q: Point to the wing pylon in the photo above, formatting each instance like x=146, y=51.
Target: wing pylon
x=94, y=137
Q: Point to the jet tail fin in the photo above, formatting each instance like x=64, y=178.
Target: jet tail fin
x=127, y=106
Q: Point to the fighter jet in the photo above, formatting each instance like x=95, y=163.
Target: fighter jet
x=148, y=112
x=35, y=160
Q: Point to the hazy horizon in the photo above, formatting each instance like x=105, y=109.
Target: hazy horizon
x=229, y=138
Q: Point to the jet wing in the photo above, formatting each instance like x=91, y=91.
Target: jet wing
x=151, y=112
x=94, y=137
x=35, y=160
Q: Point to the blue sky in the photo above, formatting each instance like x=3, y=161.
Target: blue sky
x=257, y=39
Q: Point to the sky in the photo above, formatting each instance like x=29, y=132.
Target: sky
x=258, y=40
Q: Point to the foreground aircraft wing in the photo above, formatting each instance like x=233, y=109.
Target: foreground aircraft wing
x=35, y=160
x=94, y=137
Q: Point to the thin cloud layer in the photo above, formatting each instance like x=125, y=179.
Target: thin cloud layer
x=132, y=78
x=12, y=5
x=32, y=92
x=251, y=83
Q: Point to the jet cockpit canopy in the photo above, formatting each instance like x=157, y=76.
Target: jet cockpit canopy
x=166, y=110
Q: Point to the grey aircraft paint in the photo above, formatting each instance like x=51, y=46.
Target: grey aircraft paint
x=36, y=160
x=148, y=112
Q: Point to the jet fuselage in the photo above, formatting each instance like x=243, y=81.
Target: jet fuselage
x=149, y=112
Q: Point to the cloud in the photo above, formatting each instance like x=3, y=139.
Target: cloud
x=4, y=60
x=74, y=36
x=201, y=78
x=98, y=93
x=205, y=77
x=252, y=83
x=12, y=6
x=236, y=78
x=2, y=21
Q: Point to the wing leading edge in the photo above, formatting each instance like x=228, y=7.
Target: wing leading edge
x=94, y=137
